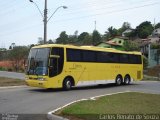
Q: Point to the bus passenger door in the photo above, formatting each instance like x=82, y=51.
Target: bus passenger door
x=53, y=67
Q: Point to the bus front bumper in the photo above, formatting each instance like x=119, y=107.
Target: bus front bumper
x=36, y=83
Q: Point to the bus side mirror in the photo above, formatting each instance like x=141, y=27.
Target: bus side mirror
x=52, y=60
x=54, y=56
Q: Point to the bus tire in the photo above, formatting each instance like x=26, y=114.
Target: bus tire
x=127, y=80
x=118, y=80
x=67, y=84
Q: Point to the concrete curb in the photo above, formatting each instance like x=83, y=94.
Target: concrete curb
x=51, y=115
x=11, y=87
x=55, y=117
x=144, y=81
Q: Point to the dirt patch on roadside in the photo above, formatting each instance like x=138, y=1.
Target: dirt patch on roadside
x=154, y=71
x=10, y=82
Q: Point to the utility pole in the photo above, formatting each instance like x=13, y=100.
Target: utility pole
x=95, y=22
x=154, y=23
x=45, y=18
x=45, y=22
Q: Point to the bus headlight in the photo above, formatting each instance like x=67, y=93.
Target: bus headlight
x=41, y=78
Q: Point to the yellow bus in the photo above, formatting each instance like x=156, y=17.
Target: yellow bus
x=66, y=66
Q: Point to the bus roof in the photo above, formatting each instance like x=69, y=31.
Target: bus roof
x=87, y=48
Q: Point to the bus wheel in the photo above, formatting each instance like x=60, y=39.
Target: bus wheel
x=67, y=84
x=118, y=80
x=127, y=80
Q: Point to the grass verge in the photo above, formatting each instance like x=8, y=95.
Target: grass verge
x=124, y=103
x=10, y=82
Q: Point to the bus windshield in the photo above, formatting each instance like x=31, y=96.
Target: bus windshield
x=38, y=61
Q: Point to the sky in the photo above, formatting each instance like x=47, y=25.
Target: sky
x=22, y=24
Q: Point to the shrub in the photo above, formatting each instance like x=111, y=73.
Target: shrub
x=145, y=62
x=2, y=69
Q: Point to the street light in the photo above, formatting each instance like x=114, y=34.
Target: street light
x=64, y=7
x=45, y=20
x=37, y=7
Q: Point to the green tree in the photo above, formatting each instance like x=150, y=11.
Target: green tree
x=76, y=33
x=131, y=35
x=50, y=41
x=63, y=38
x=106, y=36
x=112, y=32
x=157, y=25
x=73, y=38
x=131, y=46
x=3, y=53
x=17, y=54
x=82, y=38
x=144, y=33
x=126, y=25
x=96, y=37
x=145, y=62
x=144, y=29
x=30, y=46
x=87, y=40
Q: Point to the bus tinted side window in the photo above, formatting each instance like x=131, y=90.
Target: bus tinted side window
x=74, y=55
x=56, y=63
x=139, y=59
x=89, y=56
x=77, y=55
x=124, y=58
x=102, y=57
x=114, y=58
x=135, y=59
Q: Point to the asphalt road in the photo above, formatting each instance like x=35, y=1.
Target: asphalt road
x=38, y=101
x=12, y=75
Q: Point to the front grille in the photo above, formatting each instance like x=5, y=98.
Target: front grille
x=32, y=78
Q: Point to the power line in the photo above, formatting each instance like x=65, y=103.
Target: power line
x=86, y=6
x=104, y=7
x=82, y=17
x=84, y=9
x=114, y=11
x=5, y=2
x=9, y=5
x=21, y=30
x=4, y=10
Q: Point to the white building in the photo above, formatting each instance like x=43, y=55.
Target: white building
x=126, y=31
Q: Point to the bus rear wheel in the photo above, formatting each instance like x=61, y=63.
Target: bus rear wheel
x=127, y=80
x=67, y=84
x=118, y=80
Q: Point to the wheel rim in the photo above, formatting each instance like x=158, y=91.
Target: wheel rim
x=68, y=84
x=127, y=81
x=118, y=81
